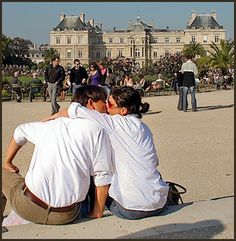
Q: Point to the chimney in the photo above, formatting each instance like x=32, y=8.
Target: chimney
x=213, y=14
x=91, y=21
x=114, y=29
x=194, y=14
x=61, y=16
x=82, y=17
x=167, y=27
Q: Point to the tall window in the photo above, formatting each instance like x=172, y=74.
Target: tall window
x=155, y=54
x=110, y=40
x=142, y=52
x=68, y=54
x=137, y=52
x=121, y=40
x=131, y=52
x=193, y=39
x=58, y=40
x=80, y=53
x=143, y=40
x=167, y=40
x=109, y=53
x=177, y=40
x=205, y=39
x=217, y=39
x=68, y=40
x=80, y=40
x=166, y=52
x=120, y=54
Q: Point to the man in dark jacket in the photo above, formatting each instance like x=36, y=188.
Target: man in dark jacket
x=54, y=77
x=78, y=76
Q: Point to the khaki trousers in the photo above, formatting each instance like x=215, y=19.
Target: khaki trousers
x=12, y=184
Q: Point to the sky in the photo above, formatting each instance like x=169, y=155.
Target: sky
x=34, y=20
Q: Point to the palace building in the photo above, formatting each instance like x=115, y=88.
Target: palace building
x=74, y=37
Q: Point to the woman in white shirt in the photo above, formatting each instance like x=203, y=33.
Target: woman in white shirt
x=137, y=189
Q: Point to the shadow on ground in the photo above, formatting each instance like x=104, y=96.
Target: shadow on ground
x=215, y=107
x=200, y=230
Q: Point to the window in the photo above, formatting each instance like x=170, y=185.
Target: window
x=142, y=52
x=137, y=52
x=177, y=40
x=121, y=40
x=80, y=53
x=110, y=40
x=58, y=40
x=166, y=52
x=68, y=40
x=155, y=54
x=98, y=55
x=131, y=52
x=143, y=40
x=120, y=54
x=109, y=53
x=217, y=39
x=131, y=41
x=193, y=39
x=205, y=39
x=80, y=39
x=155, y=40
x=68, y=54
x=167, y=40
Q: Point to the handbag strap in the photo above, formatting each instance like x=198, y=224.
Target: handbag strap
x=178, y=185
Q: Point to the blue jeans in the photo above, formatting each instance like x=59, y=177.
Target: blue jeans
x=121, y=212
x=180, y=101
x=185, y=98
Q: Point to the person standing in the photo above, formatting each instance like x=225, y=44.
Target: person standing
x=94, y=75
x=104, y=77
x=78, y=76
x=54, y=77
x=189, y=70
x=179, y=82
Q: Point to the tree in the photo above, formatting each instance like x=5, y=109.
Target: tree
x=222, y=56
x=49, y=54
x=194, y=49
x=6, y=47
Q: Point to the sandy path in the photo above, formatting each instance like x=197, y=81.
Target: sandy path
x=195, y=148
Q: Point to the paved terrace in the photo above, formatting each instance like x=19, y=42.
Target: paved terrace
x=195, y=149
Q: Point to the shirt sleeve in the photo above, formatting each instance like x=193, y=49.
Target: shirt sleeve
x=28, y=132
x=75, y=110
x=103, y=163
x=195, y=70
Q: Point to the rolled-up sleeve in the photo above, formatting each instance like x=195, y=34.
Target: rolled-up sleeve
x=28, y=132
x=103, y=163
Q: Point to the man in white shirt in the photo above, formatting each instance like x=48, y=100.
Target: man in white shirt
x=189, y=70
x=58, y=177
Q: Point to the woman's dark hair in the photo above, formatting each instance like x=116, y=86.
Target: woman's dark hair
x=130, y=98
x=94, y=64
x=84, y=93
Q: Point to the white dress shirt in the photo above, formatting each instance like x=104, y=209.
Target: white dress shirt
x=66, y=153
x=189, y=66
x=136, y=183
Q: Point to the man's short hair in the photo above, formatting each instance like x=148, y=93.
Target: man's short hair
x=84, y=93
x=76, y=60
x=189, y=56
x=54, y=58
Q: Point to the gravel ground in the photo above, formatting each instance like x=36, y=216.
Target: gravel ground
x=195, y=149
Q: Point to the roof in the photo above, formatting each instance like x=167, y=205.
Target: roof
x=204, y=20
x=72, y=23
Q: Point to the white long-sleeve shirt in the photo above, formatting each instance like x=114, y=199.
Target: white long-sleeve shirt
x=136, y=183
x=66, y=153
x=189, y=66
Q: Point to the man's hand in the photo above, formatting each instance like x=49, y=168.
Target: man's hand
x=62, y=113
x=10, y=167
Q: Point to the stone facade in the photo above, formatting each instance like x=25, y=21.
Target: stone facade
x=76, y=38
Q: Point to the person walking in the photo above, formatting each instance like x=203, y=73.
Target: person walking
x=78, y=76
x=54, y=77
x=189, y=70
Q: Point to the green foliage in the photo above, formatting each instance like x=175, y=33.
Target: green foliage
x=194, y=49
x=203, y=64
x=222, y=56
x=49, y=54
x=150, y=78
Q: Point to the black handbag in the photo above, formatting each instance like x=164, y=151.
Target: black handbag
x=174, y=197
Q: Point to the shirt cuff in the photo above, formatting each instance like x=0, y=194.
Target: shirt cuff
x=102, y=180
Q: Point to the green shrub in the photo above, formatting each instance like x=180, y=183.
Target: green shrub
x=5, y=93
